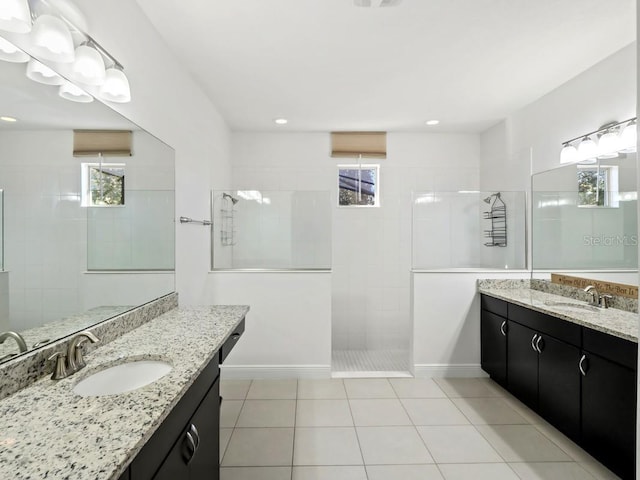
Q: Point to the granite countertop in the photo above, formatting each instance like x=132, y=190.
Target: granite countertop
x=615, y=322
x=46, y=431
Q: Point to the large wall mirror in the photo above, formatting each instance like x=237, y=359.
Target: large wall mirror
x=82, y=238
x=585, y=219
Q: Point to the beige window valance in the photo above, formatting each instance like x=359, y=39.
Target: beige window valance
x=109, y=143
x=356, y=144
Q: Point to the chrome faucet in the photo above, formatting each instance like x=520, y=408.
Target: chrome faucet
x=22, y=345
x=74, y=353
x=595, y=296
x=69, y=363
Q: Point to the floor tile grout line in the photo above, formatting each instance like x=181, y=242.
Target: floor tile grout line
x=233, y=429
x=295, y=418
x=366, y=473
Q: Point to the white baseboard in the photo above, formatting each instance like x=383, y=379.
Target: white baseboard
x=259, y=372
x=437, y=370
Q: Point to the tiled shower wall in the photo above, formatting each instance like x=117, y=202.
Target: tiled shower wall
x=371, y=247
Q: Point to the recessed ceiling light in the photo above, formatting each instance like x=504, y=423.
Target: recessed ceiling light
x=432, y=122
x=8, y=119
x=281, y=121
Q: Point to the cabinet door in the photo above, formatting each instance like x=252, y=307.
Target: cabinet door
x=175, y=463
x=559, y=385
x=609, y=414
x=493, y=333
x=206, y=463
x=522, y=364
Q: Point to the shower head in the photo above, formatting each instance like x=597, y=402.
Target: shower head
x=233, y=199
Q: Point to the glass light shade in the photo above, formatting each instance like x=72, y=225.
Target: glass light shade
x=88, y=66
x=15, y=16
x=587, y=149
x=10, y=53
x=69, y=91
x=629, y=138
x=40, y=73
x=569, y=154
x=115, y=87
x=609, y=145
x=51, y=40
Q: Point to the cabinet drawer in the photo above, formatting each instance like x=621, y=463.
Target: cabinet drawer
x=231, y=341
x=619, y=350
x=556, y=327
x=494, y=305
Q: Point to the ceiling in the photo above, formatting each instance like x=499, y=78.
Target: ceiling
x=328, y=65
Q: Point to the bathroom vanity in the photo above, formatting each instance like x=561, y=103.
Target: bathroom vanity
x=166, y=429
x=572, y=363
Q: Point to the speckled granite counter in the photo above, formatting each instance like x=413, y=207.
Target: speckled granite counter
x=46, y=431
x=616, y=322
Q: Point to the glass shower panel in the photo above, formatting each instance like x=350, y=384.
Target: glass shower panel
x=453, y=230
x=136, y=236
x=569, y=235
x=271, y=229
x=1, y=230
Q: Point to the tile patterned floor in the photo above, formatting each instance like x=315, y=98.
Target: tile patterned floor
x=387, y=429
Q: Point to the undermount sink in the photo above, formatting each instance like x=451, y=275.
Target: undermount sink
x=572, y=306
x=122, y=378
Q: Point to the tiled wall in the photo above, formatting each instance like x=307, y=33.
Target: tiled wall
x=371, y=287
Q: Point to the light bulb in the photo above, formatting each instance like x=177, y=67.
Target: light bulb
x=609, y=144
x=587, y=149
x=10, y=53
x=115, y=87
x=629, y=138
x=40, y=73
x=88, y=66
x=69, y=91
x=569, y=154
x=52, y=40
x=15, y=16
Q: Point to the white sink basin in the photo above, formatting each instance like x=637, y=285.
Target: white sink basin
x=122, y=378
x=572, y=306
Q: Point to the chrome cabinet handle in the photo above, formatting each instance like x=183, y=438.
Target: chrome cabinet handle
x=192, y=444
x=539, y=350
x=235, y=336
x=502, y=328
x=581, y=365
x=533, y=341
x=194, y=430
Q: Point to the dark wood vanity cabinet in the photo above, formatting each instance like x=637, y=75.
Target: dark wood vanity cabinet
x=609, y=391
x=493, y=332
x=582, y=381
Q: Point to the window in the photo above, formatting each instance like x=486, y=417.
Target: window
x=358, y=186
x=102, y=184
x=597, y=186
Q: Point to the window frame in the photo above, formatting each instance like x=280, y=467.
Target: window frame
x=86, y=197
x=361, y=166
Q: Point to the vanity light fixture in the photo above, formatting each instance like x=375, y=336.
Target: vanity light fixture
x=609, y=141
x=69, y=91
x=51, y=39
x=432, y=122
x=15, y=16
x=281, y=121
x=10, y=53
x=40, y=73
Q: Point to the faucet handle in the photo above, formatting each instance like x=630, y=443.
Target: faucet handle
x=60, y=369
x=605, y=300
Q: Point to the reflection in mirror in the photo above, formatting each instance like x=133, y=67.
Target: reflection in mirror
x=69, y=264
x=584, y=217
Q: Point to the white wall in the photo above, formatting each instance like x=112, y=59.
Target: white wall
x=288, y=329
x=168, y=103
x=4, y=301
x=603, y=93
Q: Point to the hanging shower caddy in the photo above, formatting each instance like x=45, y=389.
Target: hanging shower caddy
x=498, y=216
